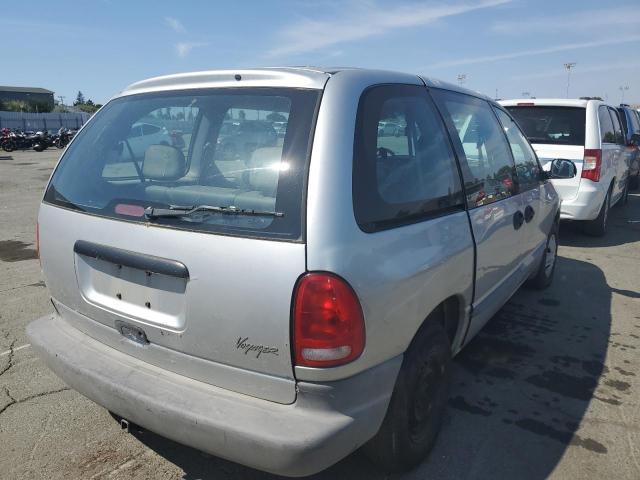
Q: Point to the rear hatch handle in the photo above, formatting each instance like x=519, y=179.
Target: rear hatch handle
x=127, y=258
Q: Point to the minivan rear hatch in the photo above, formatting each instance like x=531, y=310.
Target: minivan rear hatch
x=173, y=228
x=555, y=132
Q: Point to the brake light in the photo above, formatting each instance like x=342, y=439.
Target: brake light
x=592, y=164
x=525, y=104
x=328, y=324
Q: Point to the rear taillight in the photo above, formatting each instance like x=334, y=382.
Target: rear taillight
x=592, y=164
x=328, y=325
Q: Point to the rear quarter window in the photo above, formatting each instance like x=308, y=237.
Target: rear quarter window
x=404, y=169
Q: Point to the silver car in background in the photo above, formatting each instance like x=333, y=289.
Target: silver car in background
x=289, y=300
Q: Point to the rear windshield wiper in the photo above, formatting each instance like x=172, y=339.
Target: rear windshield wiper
x=183, y=211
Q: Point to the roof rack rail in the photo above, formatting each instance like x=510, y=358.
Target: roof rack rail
x=625, y=105
x=592, y=98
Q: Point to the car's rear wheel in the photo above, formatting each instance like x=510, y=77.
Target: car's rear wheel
x=598, y=226
x=624, y=198
x=547, y=267
x=415, y=412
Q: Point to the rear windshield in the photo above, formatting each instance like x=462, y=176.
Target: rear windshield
x=242, y=149
x=552, y=125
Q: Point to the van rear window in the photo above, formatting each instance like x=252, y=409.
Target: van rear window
x=551, y=125
x=242, y=151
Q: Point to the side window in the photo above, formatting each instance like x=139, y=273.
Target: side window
x=635, y=123
x=607, y=133
x=135, y=131
x=527, y=167
x=404, y=169
x=623, y=120
x=148, y=129
x=616, y=126
x=487, y=166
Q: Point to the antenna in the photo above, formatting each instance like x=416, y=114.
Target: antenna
x=622, y=89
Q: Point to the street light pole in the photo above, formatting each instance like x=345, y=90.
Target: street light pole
x=569, y=66
x=623, y=88
x=462, y=77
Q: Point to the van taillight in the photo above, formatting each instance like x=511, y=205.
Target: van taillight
x=591, y=164
x=328, y=324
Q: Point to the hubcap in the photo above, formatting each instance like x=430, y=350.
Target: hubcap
x=550, y=259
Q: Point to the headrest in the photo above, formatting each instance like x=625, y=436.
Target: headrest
x=265, y=169
x=163, y=162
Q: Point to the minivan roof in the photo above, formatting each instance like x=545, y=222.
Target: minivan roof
x=548, y=102
x=296, y=77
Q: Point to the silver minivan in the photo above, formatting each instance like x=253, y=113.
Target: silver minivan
x=286, y=301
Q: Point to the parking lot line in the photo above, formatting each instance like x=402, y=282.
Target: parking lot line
x=15, y=349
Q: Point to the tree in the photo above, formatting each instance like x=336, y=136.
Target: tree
x=17, y=106
x=40, y=107
x=79, y=99
x=85, y=107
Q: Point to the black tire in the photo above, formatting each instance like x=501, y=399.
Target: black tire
x=547, y=267
x=634, y=182
x=624, y=199
x=38, y=148
x=418, y=402
x=8, y=146
x=598, y=226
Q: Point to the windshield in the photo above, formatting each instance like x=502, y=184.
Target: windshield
x=241, y=148
x=552, y=125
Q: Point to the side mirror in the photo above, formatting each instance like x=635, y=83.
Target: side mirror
x=561, y=168
x=635, y=139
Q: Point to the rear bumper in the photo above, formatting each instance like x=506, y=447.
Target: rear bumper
x=327, y=422
x=586, y=204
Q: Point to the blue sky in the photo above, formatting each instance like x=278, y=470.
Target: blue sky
x=513, y=46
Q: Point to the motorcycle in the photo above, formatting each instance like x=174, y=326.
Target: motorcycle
x=13, y=140
x=40, y=141
x=6, y=140
x=63, y=138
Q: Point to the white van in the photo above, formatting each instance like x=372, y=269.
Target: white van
x=588, y=132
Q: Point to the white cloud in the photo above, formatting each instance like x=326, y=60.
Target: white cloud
x=583, y=21
x=184, y=48
x=533, y=52
x=175, y=24
x=366, y=19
